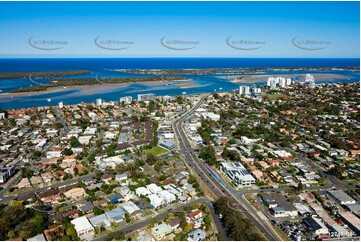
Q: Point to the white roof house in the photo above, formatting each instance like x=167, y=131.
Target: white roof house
x=161, y=230
x=130, y=207
x=83, y=228
x=153, y=188
x=155, y=200
x=142, y=191
x=100, y=220
x=39, y=237
x=53, y=153
x=173, y=189
x=167, y=196
x=84, y=140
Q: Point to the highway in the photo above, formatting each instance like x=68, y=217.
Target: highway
x=214, y=184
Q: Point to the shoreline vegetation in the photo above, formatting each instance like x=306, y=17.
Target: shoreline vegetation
x=72, y=82
x=16, y=75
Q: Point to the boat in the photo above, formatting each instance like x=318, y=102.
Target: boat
x=184, y=93
x=49, y=100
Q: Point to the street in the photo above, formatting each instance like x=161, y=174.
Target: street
x=210, y=181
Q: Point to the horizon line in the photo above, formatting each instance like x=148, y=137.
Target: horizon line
x=179, y=57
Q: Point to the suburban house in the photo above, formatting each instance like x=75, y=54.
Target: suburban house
x=83, y=228
x=161, y=230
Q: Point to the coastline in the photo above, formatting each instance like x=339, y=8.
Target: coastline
x=319, y=77
x=93, y=89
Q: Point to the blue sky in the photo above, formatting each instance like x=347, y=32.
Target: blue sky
x=270, y=27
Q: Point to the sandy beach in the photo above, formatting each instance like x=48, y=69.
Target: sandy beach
x=187, y=83
x=82, y=89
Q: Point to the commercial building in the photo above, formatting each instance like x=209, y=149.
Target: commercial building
x=341, y=197
x=145, y=97
x=244, y=90
x=351, y=220
x=256, y=91
x=237, y=173
x=127, y=100
x=278, y=212
x=168, y=144
x=6, y=173
x=99, y=102
x=316, y=225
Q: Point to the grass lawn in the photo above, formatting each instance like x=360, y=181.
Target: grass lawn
x=281, y=233
x=156, y=151
x=274, y=96
x=147, y=212
x=251, y=198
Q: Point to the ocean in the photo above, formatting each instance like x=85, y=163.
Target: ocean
x=102, y=67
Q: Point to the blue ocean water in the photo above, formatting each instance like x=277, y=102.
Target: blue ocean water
x=102, y=66
x=99, y=64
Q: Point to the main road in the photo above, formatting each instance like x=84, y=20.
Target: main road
x=7, y=199
x=215, y=185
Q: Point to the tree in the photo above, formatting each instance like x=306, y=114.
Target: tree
x=25, y=234
x=170, y=216
x=207, y=220
x=74, y=142
x=299, y=187
x=151, y=159
x=187, y=228
x=70, y=231
x=127, y=218
x=237, y=226
x=15, y=213
x=208, y=154
x=97, y=211
x=11, y=234
x=67, y=152
x=2, y=229
x=37, y=154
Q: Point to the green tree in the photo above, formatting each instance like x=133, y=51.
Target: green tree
x=67, y=152
x=97, y=211
x=74, y=142
x=70, y=231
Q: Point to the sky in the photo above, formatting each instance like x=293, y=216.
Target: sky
x=202, y=29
